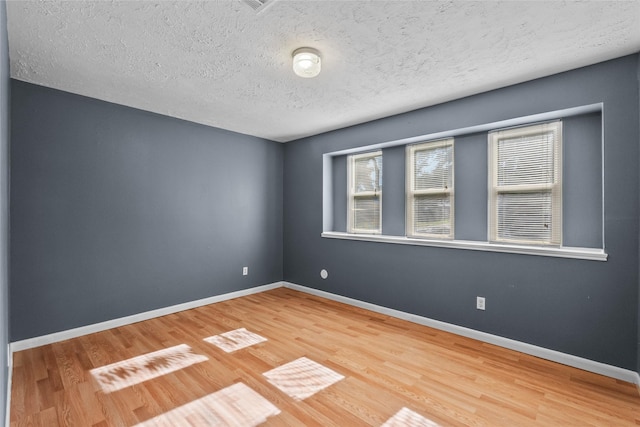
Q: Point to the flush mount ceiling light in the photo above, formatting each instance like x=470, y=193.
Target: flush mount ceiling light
x=306, y=62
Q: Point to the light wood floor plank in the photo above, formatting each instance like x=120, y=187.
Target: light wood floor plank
x=387, y=364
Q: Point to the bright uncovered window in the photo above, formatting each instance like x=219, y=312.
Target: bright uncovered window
x=525, y=185
x=365, y=193
x=430, y=198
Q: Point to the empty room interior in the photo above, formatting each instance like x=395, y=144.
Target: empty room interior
x=319, y=213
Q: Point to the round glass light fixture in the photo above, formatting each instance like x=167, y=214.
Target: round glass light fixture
x=306, y=62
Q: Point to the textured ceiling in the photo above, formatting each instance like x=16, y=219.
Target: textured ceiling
x=221, y=64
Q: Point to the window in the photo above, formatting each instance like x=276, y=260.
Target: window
x=531, y=185
x=525, y=185
x=430, y=189
x=365, y=193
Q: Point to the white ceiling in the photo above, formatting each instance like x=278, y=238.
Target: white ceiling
x=221, y=64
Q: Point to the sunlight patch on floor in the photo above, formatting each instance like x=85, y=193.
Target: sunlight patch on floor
x=128, y=372
x=405, y=417
x=235, y=340
x=302, y=378
x=236, y=405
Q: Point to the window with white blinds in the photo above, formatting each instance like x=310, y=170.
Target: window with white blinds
x=429, y=192
x=525, y=185
x=365, y=193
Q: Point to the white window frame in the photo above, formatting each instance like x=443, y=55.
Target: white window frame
x=554, y=188
x=412, y=193
x=352, y=194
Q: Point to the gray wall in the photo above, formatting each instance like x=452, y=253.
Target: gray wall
x=4, y=206
x=585, y=308
x=116, y=211
x=638, y=367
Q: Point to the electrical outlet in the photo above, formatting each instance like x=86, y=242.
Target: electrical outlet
x=480, y=303
x=245, y=271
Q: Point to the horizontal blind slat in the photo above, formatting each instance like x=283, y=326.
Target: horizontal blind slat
x=432, y=215
x=430, y=189
x=365, y=191
x=366, y=213
x=526, y=195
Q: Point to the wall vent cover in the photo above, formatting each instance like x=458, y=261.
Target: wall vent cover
x=258, y=5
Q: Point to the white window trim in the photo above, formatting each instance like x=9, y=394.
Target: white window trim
x=411, y=193
x=352, y=195
x=554, y=188
x=593, y=254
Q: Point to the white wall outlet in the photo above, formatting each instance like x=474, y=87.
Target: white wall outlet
x=245, y=271
x=480, y=303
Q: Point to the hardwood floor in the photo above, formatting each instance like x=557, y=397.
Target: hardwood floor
x=162, y=372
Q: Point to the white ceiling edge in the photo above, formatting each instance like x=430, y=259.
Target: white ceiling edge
x=220, y=64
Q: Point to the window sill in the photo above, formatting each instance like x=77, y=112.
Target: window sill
x=563, y=252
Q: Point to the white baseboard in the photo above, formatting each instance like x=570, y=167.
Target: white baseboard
x=9, y=382
x=541, y=352
x=544, y=353
x=109, y=324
